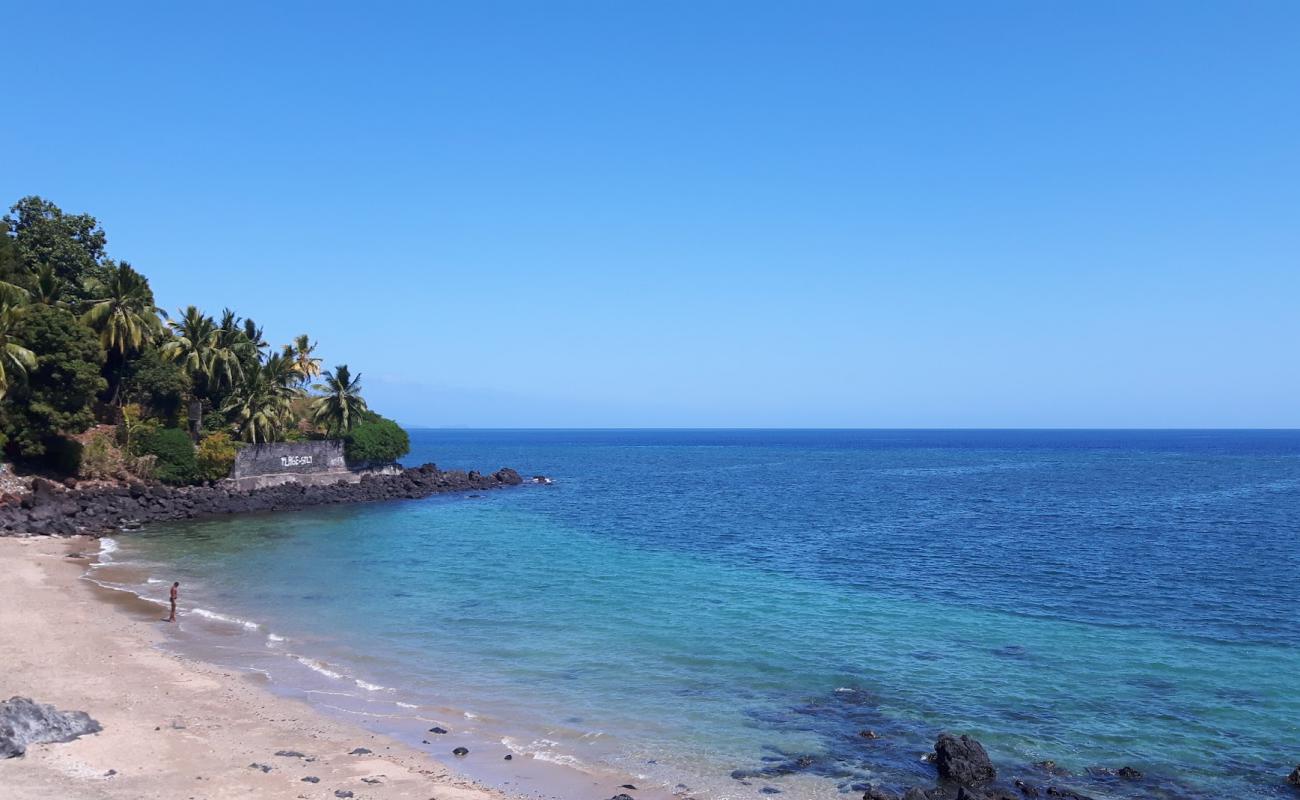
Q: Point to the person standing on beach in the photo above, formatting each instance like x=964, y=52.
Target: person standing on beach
x=176, y=591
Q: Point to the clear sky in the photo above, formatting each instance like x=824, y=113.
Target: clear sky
x=704, y=213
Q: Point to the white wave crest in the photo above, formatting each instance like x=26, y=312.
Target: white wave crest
x=316, y=666
x=215, y=617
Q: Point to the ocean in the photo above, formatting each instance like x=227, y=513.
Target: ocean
x=733, y=613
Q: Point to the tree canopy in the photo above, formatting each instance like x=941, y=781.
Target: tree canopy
x=83, y=343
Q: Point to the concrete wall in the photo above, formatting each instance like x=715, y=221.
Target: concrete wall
x=282, y=458
x=260, y=465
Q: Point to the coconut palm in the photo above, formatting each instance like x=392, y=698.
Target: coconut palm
x=11, y=294
x=191, y=346
x=261, y=403
x=48, y=288
x=124, y=316
x=230, y=353
x=341, y=406
x=15, y=360
x=300, y=351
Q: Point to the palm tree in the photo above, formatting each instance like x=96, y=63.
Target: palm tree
x=194, y=334
x=124, y=317
x=230, y=351
x=260, y=404
x=48, y=288
x=341, y=406
x=300, y=351
x=15, y=360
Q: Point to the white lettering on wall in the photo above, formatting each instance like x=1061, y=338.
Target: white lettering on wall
x=294, y=461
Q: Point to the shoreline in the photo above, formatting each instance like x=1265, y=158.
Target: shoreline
x=176, y=726
x=57, y=509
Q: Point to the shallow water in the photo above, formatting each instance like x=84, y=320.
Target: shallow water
x=682, y=604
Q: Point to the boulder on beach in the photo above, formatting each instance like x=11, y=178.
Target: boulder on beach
x=962, y=760
x=25, y=722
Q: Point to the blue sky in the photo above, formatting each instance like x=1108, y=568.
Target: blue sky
x=705, y=213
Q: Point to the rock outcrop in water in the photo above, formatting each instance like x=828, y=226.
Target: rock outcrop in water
x=962, y=760
x=25, y=722
x=51, y=508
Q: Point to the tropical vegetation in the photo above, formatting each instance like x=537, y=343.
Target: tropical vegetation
x=99, y=381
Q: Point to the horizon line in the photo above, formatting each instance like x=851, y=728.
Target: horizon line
x=837, y=428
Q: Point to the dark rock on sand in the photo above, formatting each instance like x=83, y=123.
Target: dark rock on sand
x=962, y=760
x=262, y=767
x=621, y=797
x=509, y=757
x=769, y=790
x=360, y=751
x=437, y=729
x=25, y=722
x=460, y=751
x=311, y=779
x=289, y=754
x=342, y=793
x=628, y=786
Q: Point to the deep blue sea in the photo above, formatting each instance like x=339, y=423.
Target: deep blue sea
x=685, y=605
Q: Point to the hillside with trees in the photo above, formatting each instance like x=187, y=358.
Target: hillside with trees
x=99, y=382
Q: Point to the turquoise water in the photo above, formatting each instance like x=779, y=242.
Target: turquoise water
x=686, y=604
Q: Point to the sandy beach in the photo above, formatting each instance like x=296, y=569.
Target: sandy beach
x=173, y=728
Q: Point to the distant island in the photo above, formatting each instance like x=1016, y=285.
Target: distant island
x=101, y=389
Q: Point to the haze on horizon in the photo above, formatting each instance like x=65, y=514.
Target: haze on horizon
x=568, y=214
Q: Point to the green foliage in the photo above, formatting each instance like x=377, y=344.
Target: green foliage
x=12, y=269
x=157, y=383
x=261, y=406
x=15, y=359
x=176, y=463
x=122, y=311
x=216, y=457
x=81, y=338
x=376, y=440
x=341, y=405
x=71, y=244
x=57, y=396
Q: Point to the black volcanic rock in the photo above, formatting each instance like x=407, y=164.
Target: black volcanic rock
x=24, y=722
x=51, y=509
x=962, y=760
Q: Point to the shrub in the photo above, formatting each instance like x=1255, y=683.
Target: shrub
x=57, y=397
x=175, y=455
x=100, y=458
x=376, y=441
x=216, y=457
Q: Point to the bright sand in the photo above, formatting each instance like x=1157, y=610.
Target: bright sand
x=173, y=728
